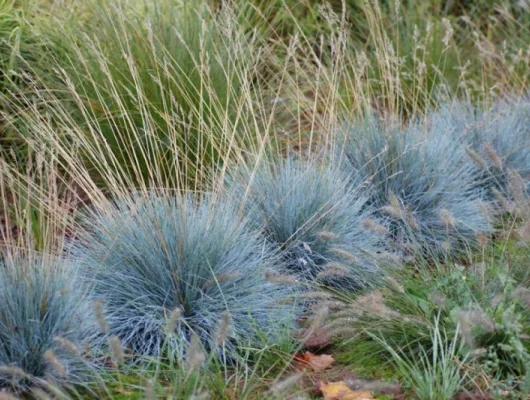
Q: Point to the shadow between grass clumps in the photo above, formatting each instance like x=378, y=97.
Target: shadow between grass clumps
x=173, y=271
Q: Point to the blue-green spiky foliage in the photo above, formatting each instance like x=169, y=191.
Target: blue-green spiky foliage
x=42, y=299
x=150, y=255
x=499, y=136
x=309, y=211
x=423, y=184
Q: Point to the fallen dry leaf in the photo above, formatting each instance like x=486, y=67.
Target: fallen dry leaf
x=340, y=391
x=315, y=362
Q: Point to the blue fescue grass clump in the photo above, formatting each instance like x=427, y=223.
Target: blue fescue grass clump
x=497, y=141
x=45, y=322
x=424, y=184
x=319, y=222
x=506, y=143
x=170, y=269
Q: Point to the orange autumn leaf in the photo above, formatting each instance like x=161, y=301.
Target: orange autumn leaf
x=340, y=391
x=315, y=362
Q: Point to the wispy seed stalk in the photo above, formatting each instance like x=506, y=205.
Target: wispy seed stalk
x=51, y=359
x=116, y=350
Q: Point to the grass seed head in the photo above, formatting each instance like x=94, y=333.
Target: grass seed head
x=117, y=350
x=493, y=156
x=195, y=356
x=173, y=319
x=447, y=218
x=52, y=360
x=100, y=316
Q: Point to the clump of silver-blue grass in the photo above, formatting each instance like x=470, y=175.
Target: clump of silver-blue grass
x=497, y=140
x=424, y=184
x=46, y=323
x=321, y=224
x=173, y=268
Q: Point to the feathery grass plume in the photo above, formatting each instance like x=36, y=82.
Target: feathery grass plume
x=222, y=332
x=493, y=156
x=282, y=279
x=523, y=233
x=319, y=316
x=14, y=372
x=477, y=159
x=195, y=356
x=150, y=391
x=447, y=218
x=335, y=269
x=328, y=235
x=466, y=328
x=58, y=367
x=517, y=189
x=152, y=254
x=66, y=344
x=438, y=299
x=43, y=298
x=523, y=294
x=307, y=210
x=391, y=259
x=371, y=225
x=343, y=331
x=419, y=173
x=172, y=320
x=117, y=350
x=395, y=285
x=469, y=319
x=100, y=316
x=374, y=303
